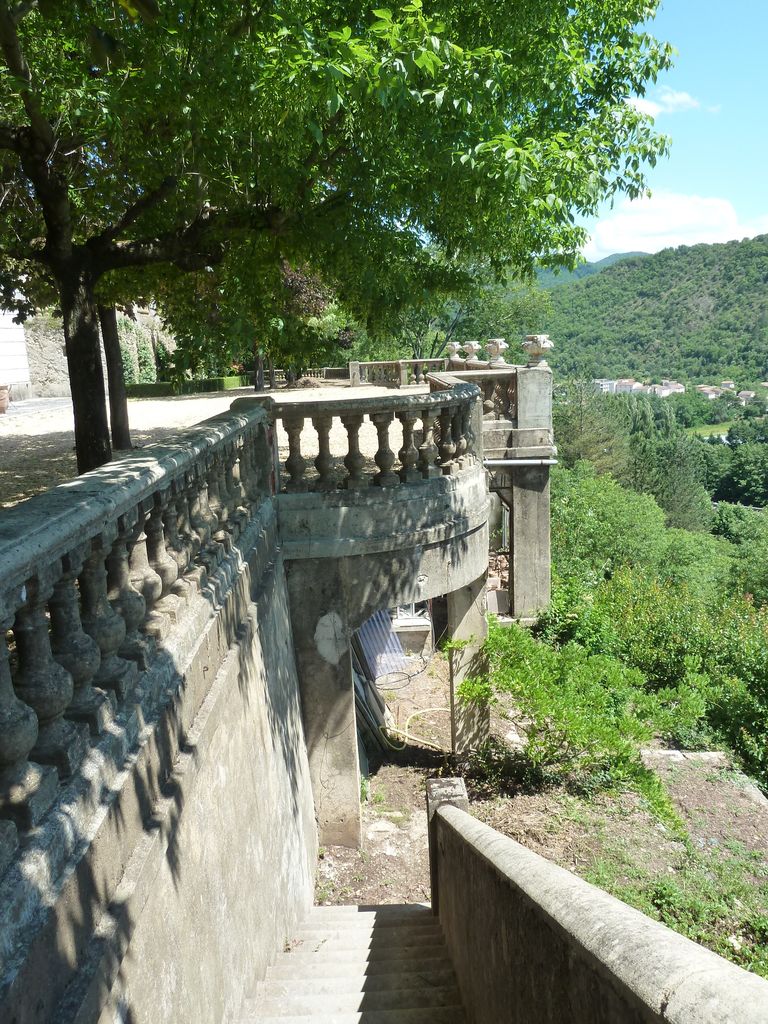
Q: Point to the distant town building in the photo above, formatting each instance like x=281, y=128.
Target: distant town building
x=629, y=386
x=746, y=396
x=728, y=385
x=709, y=391
x=626, y=385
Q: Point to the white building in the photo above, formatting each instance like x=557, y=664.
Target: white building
x=14, y=366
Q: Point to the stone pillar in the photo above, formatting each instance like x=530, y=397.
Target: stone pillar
x=354, y=374
x=528, y=498
x=467, y=625
x=440, y=792
x=321, y=635
x=530, y=570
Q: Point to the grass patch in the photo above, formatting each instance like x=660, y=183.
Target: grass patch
x=717, y=896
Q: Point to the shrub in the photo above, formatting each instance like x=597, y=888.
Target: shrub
x=579, y=712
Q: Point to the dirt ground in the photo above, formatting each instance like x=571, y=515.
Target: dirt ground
x=37, y=437
x=718, y=806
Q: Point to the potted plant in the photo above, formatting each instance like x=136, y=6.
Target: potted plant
x=5, y=397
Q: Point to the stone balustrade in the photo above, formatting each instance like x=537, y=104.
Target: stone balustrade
x=94, y=576
x=418, y=436
x=394, y=373
x=498, y=388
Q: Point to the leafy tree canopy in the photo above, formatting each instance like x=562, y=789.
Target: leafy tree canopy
x=146, y=134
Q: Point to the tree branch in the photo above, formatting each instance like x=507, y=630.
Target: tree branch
x=17, y=65
x=30, y=255
x=138, y=209
x=9, y=137
x=190, y=246
x=21, y=10
x=36, y=144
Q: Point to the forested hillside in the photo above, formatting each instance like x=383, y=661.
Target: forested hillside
x=698, y=313
x=553, y=279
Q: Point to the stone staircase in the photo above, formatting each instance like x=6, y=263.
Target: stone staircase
x=358, y=965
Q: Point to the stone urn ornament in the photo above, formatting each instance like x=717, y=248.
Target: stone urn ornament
x=472, y=351
x=496, y=347
x=454, y=353
x=5, y=397
x=536, y=346
x=454, y=350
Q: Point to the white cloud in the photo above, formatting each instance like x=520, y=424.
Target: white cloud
x=673, y=101
x=667, y=101
x=669, y=219
x=644, y=106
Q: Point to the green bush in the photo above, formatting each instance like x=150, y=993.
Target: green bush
x=583, y=715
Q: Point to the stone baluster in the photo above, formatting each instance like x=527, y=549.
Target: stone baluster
x=241, y=470
x=179, y=547
x=488, y=388
x=354, y=460
x=157, y=551
x=324, y=461
x=216, y=500
x=45, y=685
x=510, y=402
x=447, y=446
x=74, y=649
x=500, y=399
x=428, y=450
x=256, y=465
x=409, y=453
x=295, y=464
x=231, y=493
x=457, y=431
x=104, y=624
x=144, y=578
x=420, y=372
x=187, y=534
x=126, y=599
x=27, y=790
x=201, y=518
x=385, y=457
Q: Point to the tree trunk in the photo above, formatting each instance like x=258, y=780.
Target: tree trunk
x=81, y=334
x=272, y=379
x=258, y=371
x=118, y=399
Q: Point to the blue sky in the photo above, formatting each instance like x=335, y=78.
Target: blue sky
x=713, y=187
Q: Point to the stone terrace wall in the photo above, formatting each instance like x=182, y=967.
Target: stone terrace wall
x=164, y=820
x=534, y=944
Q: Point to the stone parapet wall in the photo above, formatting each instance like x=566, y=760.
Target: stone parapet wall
x=534, y=944
x=149, y=709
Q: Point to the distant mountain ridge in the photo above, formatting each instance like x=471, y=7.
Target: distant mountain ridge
x=698, y=313
x=552, y=279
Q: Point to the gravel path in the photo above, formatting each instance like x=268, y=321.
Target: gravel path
x=37, y=437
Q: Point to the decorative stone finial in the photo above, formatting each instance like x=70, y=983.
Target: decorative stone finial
x=536, y=345
x=472, y=350
x=496, y=347
x=454, y=348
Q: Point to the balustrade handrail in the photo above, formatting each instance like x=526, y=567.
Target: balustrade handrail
x=79, y=509
x=93, y=573
x=448, y=438
x=392, y=402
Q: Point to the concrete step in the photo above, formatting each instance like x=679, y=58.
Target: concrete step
x=433, y=1015
x=356, y=965
x=349, y=950
x=346, y=1002
x=410, y=935
x=288, y=967
x=384, y=916
x=357, y=981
